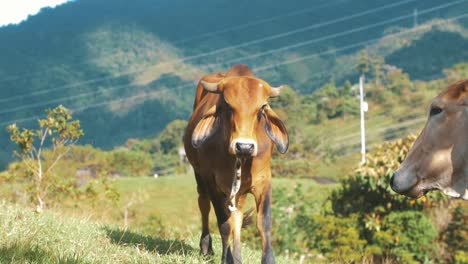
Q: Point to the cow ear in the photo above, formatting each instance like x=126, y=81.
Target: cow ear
x=276, y=130
x=206, y=128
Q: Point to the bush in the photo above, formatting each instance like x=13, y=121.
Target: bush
x=363, y=219
x=131, y=163
x=338, y=238
x=406, y=236
x=457, y=234
x=368, y=191
x=171, y=137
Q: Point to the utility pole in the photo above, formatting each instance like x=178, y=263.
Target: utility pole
x=415, y=17
x=363, y=67
x=364, y=107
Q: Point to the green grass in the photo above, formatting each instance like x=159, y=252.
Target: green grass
x=173, y=199
x=167, y=206
x=28, y=237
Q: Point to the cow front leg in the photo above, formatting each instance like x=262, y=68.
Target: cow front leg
x=225, y=229
x=206, y=247
x=225, y=225
x=263, y=201
x=237, y=221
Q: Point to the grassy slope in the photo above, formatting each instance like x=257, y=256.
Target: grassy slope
x=49, y=238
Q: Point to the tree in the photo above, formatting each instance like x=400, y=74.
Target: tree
x=172, y=135
x=59, y=131
x=377, y=64
x=363, y=63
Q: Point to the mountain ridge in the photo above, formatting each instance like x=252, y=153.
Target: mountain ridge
x=93, y=51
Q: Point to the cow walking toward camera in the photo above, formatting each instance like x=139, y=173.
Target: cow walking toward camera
x=229, y=141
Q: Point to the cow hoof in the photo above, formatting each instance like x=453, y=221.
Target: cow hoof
x=268, y=258
x=206, y=247
x=230, y=258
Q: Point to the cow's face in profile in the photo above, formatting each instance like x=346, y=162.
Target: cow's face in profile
x=439, y=157
x=244, y=108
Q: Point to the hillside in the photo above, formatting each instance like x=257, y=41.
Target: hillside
x=27, y=237
x=130, y=68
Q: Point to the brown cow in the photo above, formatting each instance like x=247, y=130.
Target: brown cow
x=439, y=157
x=229, y=141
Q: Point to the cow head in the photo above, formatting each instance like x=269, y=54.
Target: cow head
x=439, y=157
x=244, y=106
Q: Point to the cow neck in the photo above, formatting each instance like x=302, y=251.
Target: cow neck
x=236, y=183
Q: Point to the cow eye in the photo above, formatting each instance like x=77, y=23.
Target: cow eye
x=435, y=110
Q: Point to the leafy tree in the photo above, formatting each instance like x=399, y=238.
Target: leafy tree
x=130, y=162
x=363, y=63
x=171, y=137
x=376, y=66
x=58, y=130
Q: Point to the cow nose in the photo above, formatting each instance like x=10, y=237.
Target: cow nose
x=244, y=148
x=397, y=185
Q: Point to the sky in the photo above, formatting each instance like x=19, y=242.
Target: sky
x=15, y=11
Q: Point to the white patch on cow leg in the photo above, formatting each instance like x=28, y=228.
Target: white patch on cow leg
x=236, y=183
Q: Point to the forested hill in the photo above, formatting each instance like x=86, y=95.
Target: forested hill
x=127, y=68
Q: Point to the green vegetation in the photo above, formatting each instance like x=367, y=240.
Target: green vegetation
x=324, y=126
x=364, y=220
x=457, y=234
x=117, y=72
x=58, y=130
x=29, y=237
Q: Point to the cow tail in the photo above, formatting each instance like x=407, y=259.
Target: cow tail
x=247, y=220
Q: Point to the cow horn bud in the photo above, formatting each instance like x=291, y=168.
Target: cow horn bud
x=275, y=91
x=210, y=87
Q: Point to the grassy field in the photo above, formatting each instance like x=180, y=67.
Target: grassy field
x=28, y=237
x=163, y=226
x=172, y=202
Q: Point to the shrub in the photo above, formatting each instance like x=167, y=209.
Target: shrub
x=58, y=130
x=130, y=162
x=368, y=191
x=406, y=236
x=457, y=234
x=338, y=238
x=171, y=137
x=363, y=218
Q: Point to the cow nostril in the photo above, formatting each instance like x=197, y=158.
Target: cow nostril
x=244, y=148
x=238, y=147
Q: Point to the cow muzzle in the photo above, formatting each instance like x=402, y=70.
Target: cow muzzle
x=244, y=147
x=406, y=184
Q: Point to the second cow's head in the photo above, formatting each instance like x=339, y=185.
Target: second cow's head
x=242, y=108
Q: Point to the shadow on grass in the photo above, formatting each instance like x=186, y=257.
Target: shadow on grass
x=32, y=254
x=152, y=244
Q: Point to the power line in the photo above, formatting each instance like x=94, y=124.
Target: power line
x=351, y=31
x=354, y=45
x=246, y=57
x=405, y=124
x=80, y=109
x=363, y=43
x=270, y=51
x=241, y=45
x=212, y=33
x=58, y=100
x=259, y=22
